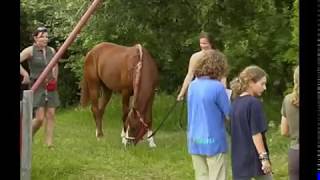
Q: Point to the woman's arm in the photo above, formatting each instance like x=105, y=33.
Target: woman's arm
x=55, y=69
x=189, y=77
x=224, y=81
x=24, y=55
x=284, y=126
x=258, y=142
x=263, y=155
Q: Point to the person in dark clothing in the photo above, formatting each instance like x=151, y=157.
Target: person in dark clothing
x=249, y=150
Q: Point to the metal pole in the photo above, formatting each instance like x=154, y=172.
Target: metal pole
x=66, y=44
x=25, y=162
x=21, y=109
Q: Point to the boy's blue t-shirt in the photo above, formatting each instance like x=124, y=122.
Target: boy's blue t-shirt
x=208, y=105
x=247, y=119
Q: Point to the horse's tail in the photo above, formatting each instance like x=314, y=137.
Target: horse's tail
x=84, y=98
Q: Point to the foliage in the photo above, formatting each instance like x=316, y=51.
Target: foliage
x=291, y=56
x=68, y=90
x=248, y=32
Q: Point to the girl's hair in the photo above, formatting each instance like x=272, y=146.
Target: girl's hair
x=295, y=92
x=209, y=37
x=240, y=84
x=213, y=63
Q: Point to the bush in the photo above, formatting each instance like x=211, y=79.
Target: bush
x=68, y=87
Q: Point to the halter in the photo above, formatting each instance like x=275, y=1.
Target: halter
x=136, y=83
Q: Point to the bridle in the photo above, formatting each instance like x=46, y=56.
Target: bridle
x=136, y=83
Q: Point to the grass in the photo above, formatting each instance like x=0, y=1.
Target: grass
x=78, y=155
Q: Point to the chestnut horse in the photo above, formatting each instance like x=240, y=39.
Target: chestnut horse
x=130, y=71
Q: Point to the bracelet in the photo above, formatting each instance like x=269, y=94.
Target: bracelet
x=263, y=156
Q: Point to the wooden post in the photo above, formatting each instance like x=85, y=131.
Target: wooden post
x=21, y=105
x=66, y=44
x=26, y=130
x=27, y=102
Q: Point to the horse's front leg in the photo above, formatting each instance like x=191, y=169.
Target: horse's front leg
x=125, y=111
x=151, y=140
x=152, y=144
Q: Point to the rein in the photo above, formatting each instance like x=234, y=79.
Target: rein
x=167, y=115
x=181, y=114
x=164, y=119
x=136, y=83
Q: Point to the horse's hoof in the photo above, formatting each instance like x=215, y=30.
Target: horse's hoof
x=50, y=146
x=128, y=144
x=124, y=141
x=152, y=145
x=99, y=137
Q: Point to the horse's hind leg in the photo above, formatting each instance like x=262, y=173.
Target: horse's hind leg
x=102, y=102
x=94, y=96
x=98, y=105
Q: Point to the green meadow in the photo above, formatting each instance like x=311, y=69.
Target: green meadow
x=78, y=155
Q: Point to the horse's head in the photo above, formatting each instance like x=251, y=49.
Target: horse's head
x=136, y=128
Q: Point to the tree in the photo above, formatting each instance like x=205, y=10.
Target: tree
x=248, y=32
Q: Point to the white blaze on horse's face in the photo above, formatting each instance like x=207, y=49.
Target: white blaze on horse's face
x=123, y=136
x=126, y=139
x=132, y=120
x=127, y=134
